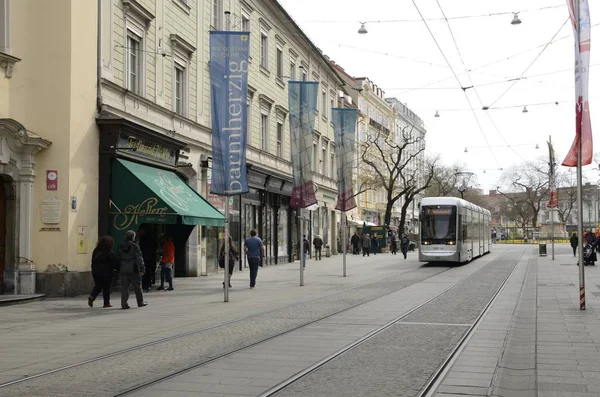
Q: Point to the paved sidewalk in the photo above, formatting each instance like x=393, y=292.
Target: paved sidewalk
x=53, y=333
x=535, y=341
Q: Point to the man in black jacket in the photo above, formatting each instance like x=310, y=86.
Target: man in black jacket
x=318, y=243
x=355, y=241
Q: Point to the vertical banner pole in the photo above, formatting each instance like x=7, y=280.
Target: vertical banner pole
x=226, y=253
x=302, y=254
x=344, y=240
x=552, y=187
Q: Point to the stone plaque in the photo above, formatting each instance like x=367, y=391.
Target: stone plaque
x=51, y=211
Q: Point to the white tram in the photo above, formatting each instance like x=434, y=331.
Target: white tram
x=452, y=230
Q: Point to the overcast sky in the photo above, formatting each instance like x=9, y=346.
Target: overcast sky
x=491, y=47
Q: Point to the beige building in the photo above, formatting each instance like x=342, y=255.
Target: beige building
x=113, y=94
x=48, y=143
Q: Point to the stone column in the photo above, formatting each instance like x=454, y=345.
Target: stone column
x=192, y=243
x=25, y=266
x=333, y=233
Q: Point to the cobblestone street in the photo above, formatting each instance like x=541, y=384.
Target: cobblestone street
x=398, y=321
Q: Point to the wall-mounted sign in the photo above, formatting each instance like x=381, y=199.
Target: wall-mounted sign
x=51, y=180
x=73, y=202
x=51, y=211
x=82, y=239
x=147, y=149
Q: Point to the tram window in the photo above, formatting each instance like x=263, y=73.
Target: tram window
x=438, y=224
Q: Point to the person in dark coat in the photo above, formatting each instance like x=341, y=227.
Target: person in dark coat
x=306, y=249
x=394, y=244
x=233, y=256
x=318, y=243
x=375, y=243
x=404, y=243
x=574, y=243
x=149, y=246
x=355, y=241
x=104, y=264
x=132, y=270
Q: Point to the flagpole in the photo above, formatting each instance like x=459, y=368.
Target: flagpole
x=580, y=181
x=551, y=194
x=226, y=213
x=344, y=242
x=302, y=258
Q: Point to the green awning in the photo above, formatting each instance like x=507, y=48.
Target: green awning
x=143, y=194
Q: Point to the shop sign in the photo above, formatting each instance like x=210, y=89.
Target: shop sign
x=274, y=185
x=257, y=180
x=147, y=209
x=147, y=149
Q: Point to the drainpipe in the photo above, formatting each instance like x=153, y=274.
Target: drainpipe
x=99, y=60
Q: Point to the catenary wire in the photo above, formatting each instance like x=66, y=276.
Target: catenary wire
x=457, y=79
x=531, y=64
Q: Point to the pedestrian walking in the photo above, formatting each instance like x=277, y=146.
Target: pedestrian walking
x=233, y=256
x=167, y=261
x=375, y=243
x=404, y=243
x=254, y=252
x=366, y=244
x=574, y=243
x=306, y=249
x=394, y=244
x=318, y=243
x=355, y=241
x=493, y=236
x=104, y=264
x=149, y=245
x=132, y=269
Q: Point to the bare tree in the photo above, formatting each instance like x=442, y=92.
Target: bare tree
x=444, y=181
x=388, y=156
x=416, y=184
x=531, y=180
x=566, y=185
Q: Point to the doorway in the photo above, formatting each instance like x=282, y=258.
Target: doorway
x=2, y=234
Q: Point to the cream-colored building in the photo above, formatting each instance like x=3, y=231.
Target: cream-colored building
x=114, y=91
x=48, y=144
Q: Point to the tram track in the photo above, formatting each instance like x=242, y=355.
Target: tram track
x=435, y=379
x=315, y=367
x=5, y=386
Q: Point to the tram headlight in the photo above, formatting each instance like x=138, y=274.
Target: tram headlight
x=451, y=242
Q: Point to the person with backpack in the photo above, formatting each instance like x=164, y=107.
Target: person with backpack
x=104, y=264
x=233, y=256
x=318, y=243
x=393, y=244
x=404, y=243
x=132, y=270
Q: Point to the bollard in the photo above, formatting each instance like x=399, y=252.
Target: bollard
x=327, y=251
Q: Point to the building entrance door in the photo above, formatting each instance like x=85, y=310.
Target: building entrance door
x=2, y=234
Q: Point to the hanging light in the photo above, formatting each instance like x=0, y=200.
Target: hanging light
x=525, y=109
x=466, y=151
x=363, y=29
x=537, y=146
x=516, y=20
x=437, y=114
x=484, y=171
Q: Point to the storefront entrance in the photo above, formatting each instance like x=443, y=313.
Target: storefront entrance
x=2, y=235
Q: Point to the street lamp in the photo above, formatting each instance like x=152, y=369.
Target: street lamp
x=363, y=29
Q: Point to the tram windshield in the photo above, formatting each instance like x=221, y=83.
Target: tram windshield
x=438, y=224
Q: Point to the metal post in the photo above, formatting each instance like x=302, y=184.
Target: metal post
x=344, y=242
x=580, y=193
x=227, y=199
x=302, y=258
x=551, y=191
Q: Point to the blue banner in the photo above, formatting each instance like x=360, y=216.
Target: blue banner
x=303, y=110
x=344, y=125
x=229, y=89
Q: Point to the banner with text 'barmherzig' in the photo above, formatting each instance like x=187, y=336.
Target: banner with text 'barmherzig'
x=229, y=89
x=303, y=108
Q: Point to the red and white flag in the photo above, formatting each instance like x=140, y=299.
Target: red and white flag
x=583, y=129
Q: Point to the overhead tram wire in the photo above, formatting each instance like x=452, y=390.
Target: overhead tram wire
x=493, y=14
x=458, y=80
x=471, y=81
x=531, y=64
